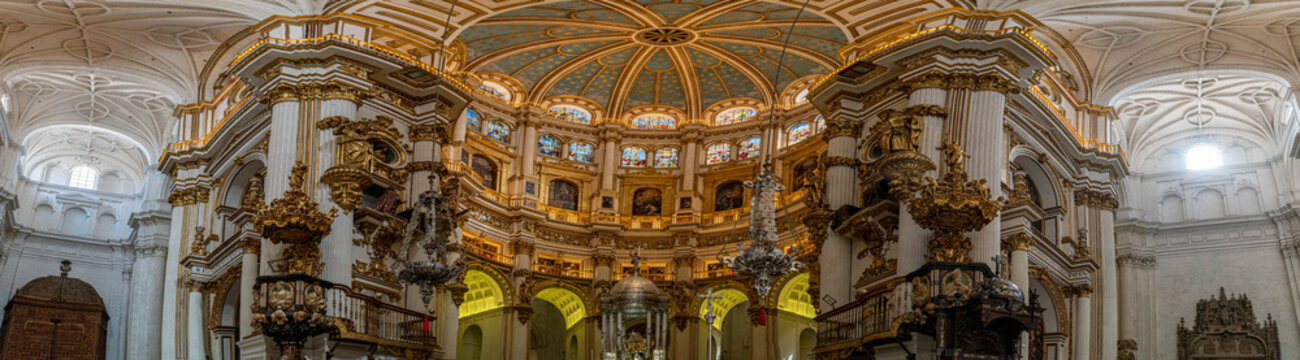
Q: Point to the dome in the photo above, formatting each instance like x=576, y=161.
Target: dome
x=686, y=56
x=60, y=289
x=1003, y=289
x=635, y=284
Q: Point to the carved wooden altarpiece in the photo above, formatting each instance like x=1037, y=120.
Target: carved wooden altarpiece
x=1226, y=329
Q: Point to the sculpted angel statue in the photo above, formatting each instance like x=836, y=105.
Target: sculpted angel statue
x=898, y=131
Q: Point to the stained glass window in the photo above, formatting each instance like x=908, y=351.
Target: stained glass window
x=633, y=157
x=580, y=151
x=549, y=146
x=499, y=130
x=734, y=116
x=820, y=123
x=666, y=158
x=718, y=153
x=749, y=148
x=801, y=97
x=571, y=113
x=496, y=90
x=472, y=119
x=654, y=121
x=798, y=133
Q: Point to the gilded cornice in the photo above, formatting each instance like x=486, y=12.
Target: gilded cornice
x=521, y=247
x=605, y=260
x=189, y=196
x=926, y=110
x=1096, y=199
x=833, y=161
x=968, y=81
x=313, y=91
x=837, y=128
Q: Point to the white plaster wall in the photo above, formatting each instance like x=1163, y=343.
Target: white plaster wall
x=490, y=322
x=1187, y=278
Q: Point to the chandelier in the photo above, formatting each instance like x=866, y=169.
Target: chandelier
x=763, y=260
x=428, y=274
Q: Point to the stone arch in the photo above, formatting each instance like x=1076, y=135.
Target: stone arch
x=237, y=182
x=793, y=296
x=1048, y=194
x=1172, y=208
x=1248, y=201
x=74, y=221
x=104, y=225
x=564, y=295
x=471, y=343
x=1055, y=295
x=1210, y=204
x=494, y=292
x=733, y=294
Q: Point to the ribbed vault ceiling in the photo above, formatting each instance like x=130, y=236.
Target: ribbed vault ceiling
x=687, y=54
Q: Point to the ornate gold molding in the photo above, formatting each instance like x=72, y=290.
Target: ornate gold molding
x=951, y=207
x=926, y=110
x=436, y=131
x=294, y=219
x=1096, y=199
x=189, y=196
x=522, y=247
x=1019, y=241
x=605, y=260
x=837, y=128
x=973, y=82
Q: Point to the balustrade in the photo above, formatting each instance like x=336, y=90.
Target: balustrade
x=363, y=318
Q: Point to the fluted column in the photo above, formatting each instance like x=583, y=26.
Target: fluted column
x=248, y=273
x=912, y=239
x=1128, y=312
x=528, y=148
x=448, y=307
x=981, y=124
x=610, y=162
x=841, y=190
x=1110, y=283
x=336, y=247
x=427, y=151
x=282, y=143
x=194, y=325
x=145, y=331
x=1081, y=339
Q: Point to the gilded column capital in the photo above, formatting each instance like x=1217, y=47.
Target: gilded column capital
x=522, y=247
x=833, y=161
x=605, y=260
x=251, y=245
x=1081, y=290
x=435, y=131
x=1095, y=198
x=926, y=110
x=837, y=128
x=1019, y=241
x=279, y=94
x=188, y=196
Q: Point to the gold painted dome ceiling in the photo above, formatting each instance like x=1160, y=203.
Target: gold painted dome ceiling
x=687, y=54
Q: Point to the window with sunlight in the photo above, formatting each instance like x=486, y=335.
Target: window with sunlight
x=1202, y=157
x=83, y=177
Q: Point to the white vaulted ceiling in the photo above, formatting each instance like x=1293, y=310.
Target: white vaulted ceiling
x=116, y=65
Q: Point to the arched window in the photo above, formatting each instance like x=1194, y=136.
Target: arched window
x=83, y=177
x=499, y=130
x=581, y=151
x=571, y=113
x=666, y=158
x=798, y=133
x=473, y=120
x=1202, y=157
x=633, y=157
x=801, y=97
x=549, y=146
x=735, y=116
x=819, y=124
x=749, y=148
x=717, y=153
x=496, y=90
x=654, y=122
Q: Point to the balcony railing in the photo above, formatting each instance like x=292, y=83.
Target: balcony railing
x=647, y=222
x=366, y=319
x=568, y=216
x=864, y=320
x=562, y=271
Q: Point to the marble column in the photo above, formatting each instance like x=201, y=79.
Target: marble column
x=528, y=148
x=983, y=133
x=336, y=247
x=1020, y=262
x=283, y=143
x=610, y=162
x=145, y=319
x=448, y=309
x=1110, y=283
x=841, y=190
x=1127, y=312
x=1081, y=338
x=247, y=279
x=519, y=323
x=458, y=137
x=912, y=239
x=195, y=333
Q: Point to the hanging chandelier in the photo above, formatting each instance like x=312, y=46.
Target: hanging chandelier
x=428, y=274
x=763, y=260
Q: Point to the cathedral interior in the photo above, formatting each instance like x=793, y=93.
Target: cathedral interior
x=649, y=179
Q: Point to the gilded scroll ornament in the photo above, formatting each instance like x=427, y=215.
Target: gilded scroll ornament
x=294, y=219
x=952, y=206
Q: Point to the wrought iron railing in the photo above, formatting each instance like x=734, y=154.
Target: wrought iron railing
x=860, y=321
x=363, y=318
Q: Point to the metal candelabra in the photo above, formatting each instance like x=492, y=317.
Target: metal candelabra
x=428, y=274
x=763, y=260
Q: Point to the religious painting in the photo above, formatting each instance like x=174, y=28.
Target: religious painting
x=684, y=203
x=549, y=146
x=647, y=202
x=749, y=148
x=486, y=170
x=530, y=188
x=717, y=269
x=666, y=158
x=464, y=156
x=606, y=202
x=563, y=195
x=581, y=152
x=730, y=195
